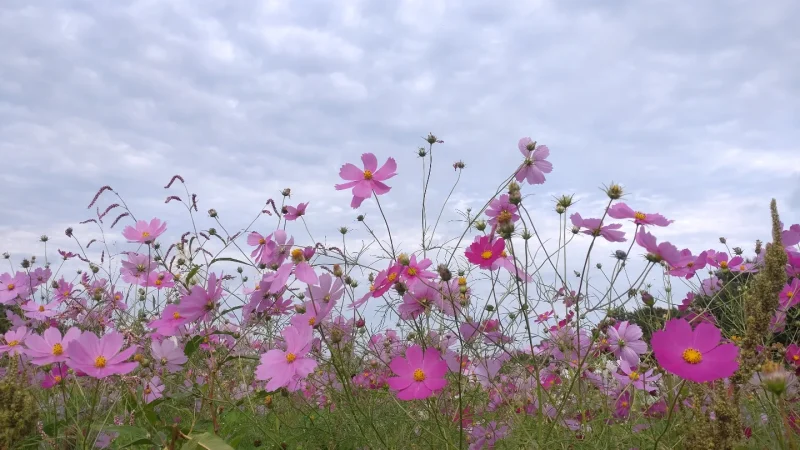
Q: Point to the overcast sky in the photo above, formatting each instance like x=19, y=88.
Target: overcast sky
x=692, y=106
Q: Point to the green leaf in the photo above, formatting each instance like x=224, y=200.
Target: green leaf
x=230, y=260
x=142, y=441
x=192, y=346
x=191, y=274
x=208, y=441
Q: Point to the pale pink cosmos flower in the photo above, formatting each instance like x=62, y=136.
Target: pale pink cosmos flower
x=201, y=303
x=623, y=211
x=143, y=232
x=14, y=287
x=136, y=267
x=658, y=252
x=535, y=165
x=501, y=210
x=64, y=290
x=50, y=347
x=153, y=389
x=13, y=341
x=262, y=251
x=37, y=311
x=287, y=368
x=171, y=319
x=721, y=260
x=365, y=182
x=419, y=374
x=595, y=227
x=101, y=357
x=168, y=354
x=625, y=342
x=159, y=280
x=416, y=271
x=417, y=300
x=294, y=213
x=644, y=381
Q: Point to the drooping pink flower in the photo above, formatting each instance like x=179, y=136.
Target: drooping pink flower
x=622, y=211
x=15, y=287
x=507, y=262
x=168, y=354
x=37, y=311
x=419, y=374
x=101, y=357
x=302, y=269
x=143, y=232
x=153, y=389
x=658, y=252
x=484, y=251
x=535, y=164
x=595, y=227
x=502, y=211
x=294, y=213
x=287, y=368
x=50, y=347
x=625, y=342
x=695, y=355
x=365, y=182
x=13, y=341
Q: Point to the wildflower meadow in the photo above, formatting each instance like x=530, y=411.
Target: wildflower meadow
x=490, y=338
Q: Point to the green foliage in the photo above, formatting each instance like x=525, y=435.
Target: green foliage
x=18, y=410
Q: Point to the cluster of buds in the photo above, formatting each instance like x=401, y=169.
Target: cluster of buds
x=514, y=193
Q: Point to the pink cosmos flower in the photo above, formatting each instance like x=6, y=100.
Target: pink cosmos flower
x=262, y=251
x=365, y=182
x=50, y=347
x=171, y=319
x=644, y=381
x=56, y=375
x=417, y=300
x=153, y=389
x=159, y=280
x=688, y=265
x=501, y=211
x=485, y=437
x=12, y=288
x=101, y=357
x=40, y=276
x=695, y=355
x=14, y=340
x=507, y=262
x=535, y=165
x=168, y=354
x=626, y=342
x=143, y=232
x=302, y=269
x=136, y=267
x=415, y=271
x=622, y=211
x=790, y=294
x=201, y=303
x=483, y=252
x=419, y=374
x=287, y=368
x=793, y=354
x=595, y=227
x=720, y=259
x=658, y=252
x=39, y=312
x=791, y=237
x=294, y=213
x=63, y=291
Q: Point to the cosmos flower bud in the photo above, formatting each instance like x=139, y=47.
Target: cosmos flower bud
x=402, y=258
x=400, y=288
x=308, y=253
x=25, y=264
x=526, y=234
x=459, y=165
x=343, y=230
x=480, y=225
x=360, y=218
x=648, y=299
x=360, y=323
x=371, y=277
x=565, y=201
x=621, y=255
x=286, y=192
x=431, y=139
x=337, y=271
x=774, y=377
x=513, y=187
x=614, y=191
x=68, y=232
x=212, y=212
x=575, y=230
x=515, y=198
x=506, y=230
x=212, y=231
x=44, y=238
x=560, y=209
x=422, y=152
x=722, y=240
x=300, y=309
x=758, y=246
x=738, y=251
x=489, y=308
x=444, y=272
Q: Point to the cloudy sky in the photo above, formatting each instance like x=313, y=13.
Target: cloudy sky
x=692, y=106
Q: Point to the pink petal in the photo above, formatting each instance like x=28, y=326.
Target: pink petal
x=387, y=171
x=351, y=172
x=370, y=162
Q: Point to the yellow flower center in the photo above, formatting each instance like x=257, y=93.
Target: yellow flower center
x=262, y=241
x=462, y=281
x=327, y=298
x=41, y=308
x=724, y=264
x=392, y=276
x=624, y=404
x=634, y=376
x=504, y=216
x=639, y=216
x=145, y=234
x=158, y=282
x=100, y=362
x=58, y=349
x=147, y=390
x=419, y=375
x=742, y=268
x=13, y=343
x=371, y=287
x=312, y=321
x=789, y=294
x=412, y=271
x=290, y=357
x=796, y=357
x=487, y=254
x=66, y=294
x=367, y=174
x=504, y=254
x=176, y=315
x=10, y=286
x=692, y=356
x=297, y=254
x=57, y=378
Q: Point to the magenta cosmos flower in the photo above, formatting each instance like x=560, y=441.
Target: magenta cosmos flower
x=50, y=347
x=101, y=357
x=365, y=182
x=695, y=355
x=595, y=227
x=483, y=252
x=143, y=232
x=535, y=165
x=419, y=374
x=623, y=211
x=286, y=368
